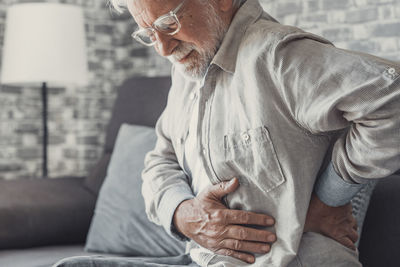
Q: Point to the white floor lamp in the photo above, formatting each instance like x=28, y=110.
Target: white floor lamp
x=44, y=45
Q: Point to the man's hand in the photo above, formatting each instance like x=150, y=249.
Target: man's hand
x=337, y=223
x=207, y=221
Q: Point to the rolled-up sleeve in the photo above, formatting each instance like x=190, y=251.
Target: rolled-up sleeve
x=329, y=89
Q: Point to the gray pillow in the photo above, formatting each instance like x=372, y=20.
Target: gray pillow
x=120, y=224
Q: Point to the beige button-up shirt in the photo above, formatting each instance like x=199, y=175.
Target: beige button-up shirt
x=271, y=104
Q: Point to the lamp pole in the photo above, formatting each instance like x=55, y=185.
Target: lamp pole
x=45, y=132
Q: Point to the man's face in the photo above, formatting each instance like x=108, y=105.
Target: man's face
x=193, y=47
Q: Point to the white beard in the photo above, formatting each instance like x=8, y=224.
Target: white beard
x=195, y=67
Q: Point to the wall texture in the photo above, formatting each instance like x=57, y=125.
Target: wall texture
x=371, y=26
x=78, y=116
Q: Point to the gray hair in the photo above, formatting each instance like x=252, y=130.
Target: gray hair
x=119, y=5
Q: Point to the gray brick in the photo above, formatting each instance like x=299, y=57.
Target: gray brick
x=285, y=8
x=364, y=46
x=120, y=17
x=123, y=40
x=316, y=18
x=108, y=29
x=70, y=153
x=377, y=2
x=56, y=139
x=10, y=140
x=104, y=53
x=94, y=66
x=10, y=167
x=386, y=12
x=338, y=34
x=357, y=16
x=91, y=154
x=387, y=30
x=28, y=127
x=313, y=5
x=123, y=65
x=10, y=89
x=396, y=11
x=55, y=91
x=139, y=52
x=88, y=140
x=29, y=153
x=335, y=4
x=105, y=103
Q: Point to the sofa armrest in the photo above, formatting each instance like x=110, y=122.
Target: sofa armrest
x=380, y=238
x=38, y=212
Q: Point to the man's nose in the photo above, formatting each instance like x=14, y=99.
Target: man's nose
x=165, y=44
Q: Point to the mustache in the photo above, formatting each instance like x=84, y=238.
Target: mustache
x=181, y=51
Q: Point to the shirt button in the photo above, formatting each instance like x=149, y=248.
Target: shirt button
x=391, y=71
x=204, y=151
x=192, y=95
x=246, y=137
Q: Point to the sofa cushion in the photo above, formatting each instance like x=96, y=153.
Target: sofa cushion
x=97, y=174
x=41, y=256
x=379, y=244
x=39, y=212
x=140, y=101
x=120, y=224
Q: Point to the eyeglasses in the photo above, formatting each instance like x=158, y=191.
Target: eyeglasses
x=166, y=24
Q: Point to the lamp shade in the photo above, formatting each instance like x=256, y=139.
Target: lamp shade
x=44, y=42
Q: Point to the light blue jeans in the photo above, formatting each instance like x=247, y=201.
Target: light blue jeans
x=315, y=251
x=106, y=261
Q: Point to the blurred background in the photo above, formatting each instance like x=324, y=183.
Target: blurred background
x=78, y=116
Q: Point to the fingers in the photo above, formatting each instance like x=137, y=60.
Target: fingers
x=249, y=234
x=245, y=246
x=347, y=242
x=247, y=217
x=236, y=254
x=353, y=234
x=221, y=189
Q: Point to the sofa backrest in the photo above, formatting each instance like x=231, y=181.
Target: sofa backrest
x=140, y=100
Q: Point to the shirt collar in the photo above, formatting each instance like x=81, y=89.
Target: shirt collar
x=246, y=15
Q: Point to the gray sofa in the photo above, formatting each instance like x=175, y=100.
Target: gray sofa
x=44, y=220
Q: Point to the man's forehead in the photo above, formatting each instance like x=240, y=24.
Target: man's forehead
x=141, y=9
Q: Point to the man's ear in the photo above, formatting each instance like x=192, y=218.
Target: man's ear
x=225, y=5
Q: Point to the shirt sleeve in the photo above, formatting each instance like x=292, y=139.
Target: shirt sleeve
x=165, y=185
x=333, y=190
x=329, y=89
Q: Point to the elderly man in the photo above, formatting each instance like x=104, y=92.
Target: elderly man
x=254, y=108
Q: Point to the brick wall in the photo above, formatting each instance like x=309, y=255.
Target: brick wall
x=78, y=116
x=371, y=26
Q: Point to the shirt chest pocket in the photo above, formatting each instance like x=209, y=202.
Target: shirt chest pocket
x=251, y=156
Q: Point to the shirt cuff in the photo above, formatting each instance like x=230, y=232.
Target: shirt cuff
x=333, y=190
x=170, y=201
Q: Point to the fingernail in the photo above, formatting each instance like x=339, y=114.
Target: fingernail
x=265, y=248
x=270, y=221
x=271, y=238
x=250, y=260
